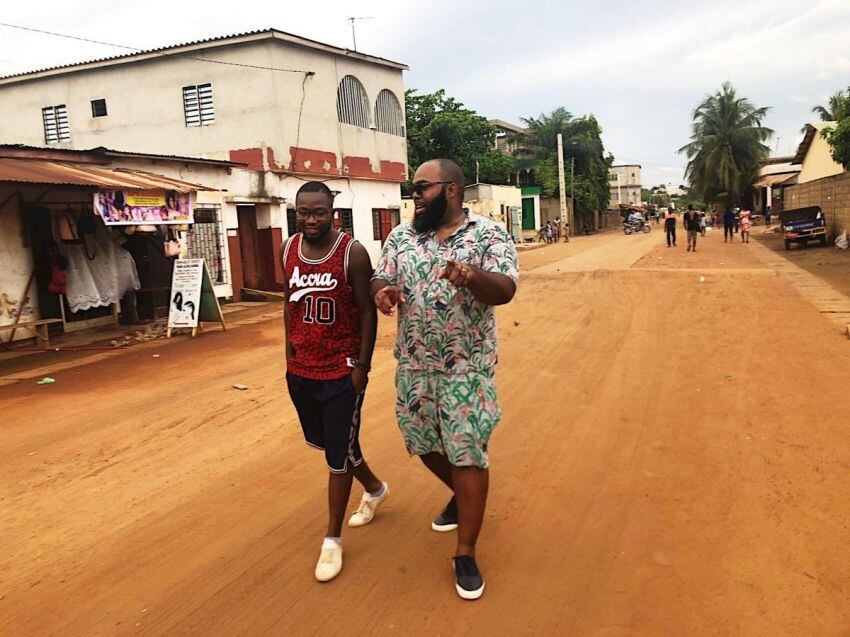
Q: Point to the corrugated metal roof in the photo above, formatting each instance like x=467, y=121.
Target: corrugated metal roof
x=48, y=172
x=271, y=33
x=774, y=180
x=20, y=151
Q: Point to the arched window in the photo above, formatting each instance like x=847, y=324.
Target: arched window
x=352, y=103
x=388, y=115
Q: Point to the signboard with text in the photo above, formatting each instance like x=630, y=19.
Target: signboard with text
x=193, y=298
x=186, y=281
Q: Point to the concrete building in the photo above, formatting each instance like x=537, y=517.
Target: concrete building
x=289, y=108
x=624, y=181
x=814, y=155
x=508, y=137
x=774, y=176
x=502, y=204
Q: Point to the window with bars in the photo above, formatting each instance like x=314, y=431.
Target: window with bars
x=291, y=223
x=383, y=221
x=206, y=241
x=56, y=128
x=352, y=103
x=198, y=105
x=344, y=220
x=388, y=117
x=98, y=108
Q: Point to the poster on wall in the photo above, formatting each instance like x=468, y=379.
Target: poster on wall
x=133, y=207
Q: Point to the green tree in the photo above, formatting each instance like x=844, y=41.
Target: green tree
x=440, y=126
x=839, y=141
x=838, y=109
x=726, y=147
x=582, y=140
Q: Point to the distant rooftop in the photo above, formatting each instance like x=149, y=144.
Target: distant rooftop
x=500, y=123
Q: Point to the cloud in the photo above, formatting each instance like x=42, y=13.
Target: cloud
x=639, y=67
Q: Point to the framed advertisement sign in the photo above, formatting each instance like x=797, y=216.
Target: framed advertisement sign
x=135, y=207
x=192, y=297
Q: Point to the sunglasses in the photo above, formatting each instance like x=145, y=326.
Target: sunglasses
x=422, y=186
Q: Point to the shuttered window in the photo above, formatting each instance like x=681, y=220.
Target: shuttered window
x=198, y=105
x=352, y=103
x=56, y=128
x=98, y=108
x=388, y=117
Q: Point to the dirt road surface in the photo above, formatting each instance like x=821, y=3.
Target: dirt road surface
x=673, y=460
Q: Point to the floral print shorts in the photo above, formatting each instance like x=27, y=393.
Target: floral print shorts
x=452, y=414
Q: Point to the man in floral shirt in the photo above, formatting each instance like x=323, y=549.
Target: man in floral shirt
x=444, y=272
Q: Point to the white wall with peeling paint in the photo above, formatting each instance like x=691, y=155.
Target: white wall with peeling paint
x=16, y=265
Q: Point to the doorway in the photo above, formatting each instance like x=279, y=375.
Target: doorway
x=528, y=213
x=252, y=271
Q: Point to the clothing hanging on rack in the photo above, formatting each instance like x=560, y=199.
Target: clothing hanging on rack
x=103, y=280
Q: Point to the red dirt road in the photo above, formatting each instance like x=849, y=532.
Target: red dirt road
x=672, y=460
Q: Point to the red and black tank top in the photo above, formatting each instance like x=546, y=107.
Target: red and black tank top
x=323, y=323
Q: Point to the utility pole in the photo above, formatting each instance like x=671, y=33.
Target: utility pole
x=353, y=34
x=572, y=199
x=477, y=170
x=561, y=185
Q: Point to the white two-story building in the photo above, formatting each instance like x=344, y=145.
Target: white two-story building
x=290, y=109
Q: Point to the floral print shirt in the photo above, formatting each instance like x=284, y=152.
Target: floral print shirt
x=442, y=328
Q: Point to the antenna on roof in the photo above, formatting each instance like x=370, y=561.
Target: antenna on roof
x=353, y=34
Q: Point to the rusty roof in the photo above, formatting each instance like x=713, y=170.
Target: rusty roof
x=775, y=179
x=186, y=47
x=36, y=171
x=99, y=154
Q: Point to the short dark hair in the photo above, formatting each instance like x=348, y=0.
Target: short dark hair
x=450, y=172
x=316, y=186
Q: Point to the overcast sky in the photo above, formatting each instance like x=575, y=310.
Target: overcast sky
x=640, y=67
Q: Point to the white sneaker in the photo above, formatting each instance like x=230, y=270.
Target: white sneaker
x=330, y=561
x=368, y=505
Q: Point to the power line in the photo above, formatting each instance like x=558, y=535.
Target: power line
x=161, y=53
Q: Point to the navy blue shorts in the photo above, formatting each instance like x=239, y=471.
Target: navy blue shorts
x=329, y=411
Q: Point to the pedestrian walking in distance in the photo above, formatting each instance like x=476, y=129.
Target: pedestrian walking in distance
x=670, y=227
x=331, y=323
x=745, y=223
x=443, y=273
x=692, y=226
x=728, y=224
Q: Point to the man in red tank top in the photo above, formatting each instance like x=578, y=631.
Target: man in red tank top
x=331, y=323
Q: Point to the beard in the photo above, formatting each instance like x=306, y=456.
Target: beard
x=434, y=212
x=317, y=239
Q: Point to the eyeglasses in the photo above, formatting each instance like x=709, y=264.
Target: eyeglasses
x=319, y=214
x=422, y=186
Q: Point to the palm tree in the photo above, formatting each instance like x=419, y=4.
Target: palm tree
x=727, y=145
x=839, y=107
x=582, y=137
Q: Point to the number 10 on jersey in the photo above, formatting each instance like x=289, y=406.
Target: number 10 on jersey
x=319, y=309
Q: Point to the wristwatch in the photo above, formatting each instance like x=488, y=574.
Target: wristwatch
x=356, y=364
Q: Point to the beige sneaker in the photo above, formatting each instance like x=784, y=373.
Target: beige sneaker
x=330, y=561
x=368, y=505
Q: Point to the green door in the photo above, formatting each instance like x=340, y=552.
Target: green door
x=528, y=213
